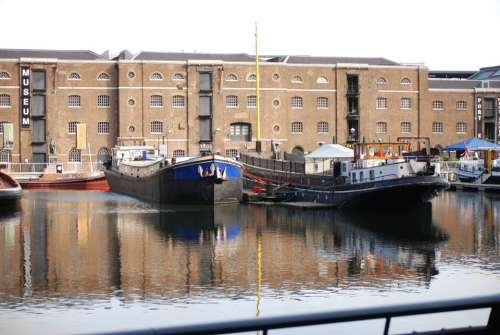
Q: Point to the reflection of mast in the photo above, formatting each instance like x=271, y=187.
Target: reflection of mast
x=259, y=272
x=27, y=259
x=257, y=89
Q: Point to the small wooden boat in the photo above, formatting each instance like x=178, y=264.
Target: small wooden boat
x=10, y=190
x=68, y=181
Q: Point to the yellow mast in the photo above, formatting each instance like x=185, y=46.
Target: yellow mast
x=257, y=75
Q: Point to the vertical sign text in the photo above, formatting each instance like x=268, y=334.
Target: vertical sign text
x=25, y=96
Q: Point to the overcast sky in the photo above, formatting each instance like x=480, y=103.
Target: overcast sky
x=443, y=34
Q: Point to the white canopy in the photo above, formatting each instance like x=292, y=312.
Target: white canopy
x=331, y=151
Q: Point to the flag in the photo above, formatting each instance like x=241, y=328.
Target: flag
x=8, y=136
x=81, y=136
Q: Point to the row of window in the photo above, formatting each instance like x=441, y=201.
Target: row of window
x=102, y=127
x=75, y=155
x=296, y=79
x=437, y=127
x=404, y=103
x=178, y=101
x=439, y=105
x=131, y=75
x=403, y=81
x=297, y=102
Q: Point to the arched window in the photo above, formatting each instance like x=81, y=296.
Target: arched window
x=405, y=81
x=75, y=155
x=103, y=155
x=232, y=101
x=297, y=127
x=4, y=75
x=381, y=81
x=74, y=101
x=74, y=76
x=156, y=101
x=179, y=153
x=178, y=101
x=4, y=100
x=178, y=76
x=297, y=102
x=156, y=127
x=322, y=80
x=321, y=102
x=298, y=151
x=240, y=132
x=297, y=79
x=231, y=77
x=322, y=127
x=252, y=77
x=156, y=76
x=232, y=153
x=381, y=127
x=103, y=76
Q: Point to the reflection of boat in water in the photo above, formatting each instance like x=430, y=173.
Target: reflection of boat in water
x=138, y=171
x=381, y=174
x=10, y=190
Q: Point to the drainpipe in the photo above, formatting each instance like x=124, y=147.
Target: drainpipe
x=187, y=109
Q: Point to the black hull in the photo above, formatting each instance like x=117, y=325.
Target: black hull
x=313, y=189
x=163, y=188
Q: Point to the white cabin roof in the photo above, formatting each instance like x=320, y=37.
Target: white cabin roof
x=331, y=151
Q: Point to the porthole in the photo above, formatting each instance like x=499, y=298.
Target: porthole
x=276, y=128
x=131, y=102
x=276, y=103
x=131, y=75
x=131, y=129
x=276, y=76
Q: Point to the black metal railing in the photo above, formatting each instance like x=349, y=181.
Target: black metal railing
x=273, y=164
x=386, y=313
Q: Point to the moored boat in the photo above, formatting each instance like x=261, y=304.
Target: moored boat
x=380, y=174
x=10, y=190
x=139, y=172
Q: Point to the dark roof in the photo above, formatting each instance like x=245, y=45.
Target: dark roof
x=451, y=74
x=60, y=54
x=454, y=84
x=487, y=73
x=336, y=60
x=184, y=56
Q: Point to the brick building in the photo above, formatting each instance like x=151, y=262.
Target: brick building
x=207, y=102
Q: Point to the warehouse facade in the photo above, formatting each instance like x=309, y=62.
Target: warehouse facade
x=197, y=103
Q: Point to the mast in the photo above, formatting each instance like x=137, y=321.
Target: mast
x=258, y=144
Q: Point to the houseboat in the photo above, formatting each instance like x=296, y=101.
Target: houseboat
x=10, y=190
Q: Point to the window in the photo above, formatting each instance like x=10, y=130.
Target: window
x=103, y=76
x=276, y=128
x=322, y=80
x=178, y=76
x=437, y=105
x=322, y=127
x=461, y=105
x=406, y=127
x=252, y=77
x=38, y=105
x=74, y=101
x=231, y=77
x=297, y=102
x=461, y=127
x=103, y=127
x=103, y=155
x=251, y=101
x=405, y=81
x=5, y=156
x=131, y=102
x=276, y=103
x=178, y=101
x=74, y=76
x=39, y=80
x=297, y=80
x=156, y=127
x=4, y=75
x=297, y=127
x=276, y=76
x=38, y=131
x=156, y=76
x=131, y=75
x=405, y=103
x=179, y=153
x=233, y=153
x=103, y=101
x=437, y=127
x=4, y=100
x=72, y=127
x=75, y=155
x=240, y=132
x=1, y=126
x=156, y=101
x=232, y=101
x=381, y=127
x=321, y=102
x=381, y=103
x=381, y=81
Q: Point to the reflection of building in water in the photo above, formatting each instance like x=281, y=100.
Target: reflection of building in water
x=77, y=248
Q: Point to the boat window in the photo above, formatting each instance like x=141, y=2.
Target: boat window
x=361, y=176
x=372, y=174
x=354, y=177
x=344, y=167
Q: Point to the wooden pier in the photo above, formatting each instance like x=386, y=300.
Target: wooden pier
x=457, y=185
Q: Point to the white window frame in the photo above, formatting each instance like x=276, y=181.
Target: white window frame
x=178, y=101
x=72, y=155
x=405, y=127
x=461, y=105
x=322, y=127
x=156, y=76
x=252, y=77
x=437, y=127
x=405, y=103
x=74, y=101
x=103, y=101
x=71, y=125
x=178, y=76
x=103, y=76
x=156, y=127
x=251, y=101
x=322, y=80
x=74, y=76
x=297, y=79
x=321, y=102
x=381, y=81
x=437, y=105
x=5, y=101
x=232, y=101
x=405, y=81
x=232, y=153
x=297, y=102
x=103, y=128
x=297, y=127
x=4, y=75
x=179, y=153
x=381, y=127
x=461, y=128
x=231, y=77
x=156, y=101
x=381, y=103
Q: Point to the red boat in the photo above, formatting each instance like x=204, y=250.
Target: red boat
x=68, y=181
